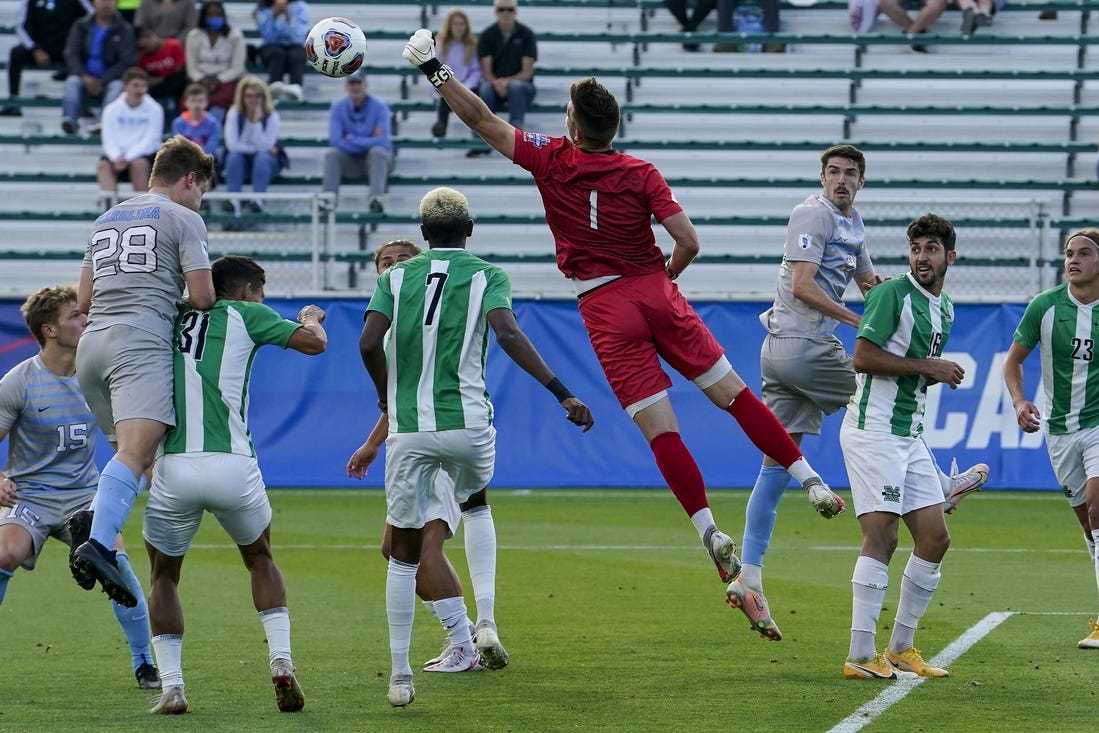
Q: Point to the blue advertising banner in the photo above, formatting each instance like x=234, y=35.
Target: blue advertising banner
x=308, y=414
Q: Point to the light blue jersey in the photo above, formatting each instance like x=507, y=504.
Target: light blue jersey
x=818, y=232
x=40, y=409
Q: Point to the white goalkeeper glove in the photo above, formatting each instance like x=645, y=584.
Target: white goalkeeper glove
x=420, y=48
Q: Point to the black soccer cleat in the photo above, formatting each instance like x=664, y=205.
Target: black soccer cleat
x=80, y=529
x=148, y=678
x=98, y=562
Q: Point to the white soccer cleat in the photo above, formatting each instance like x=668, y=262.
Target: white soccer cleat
x=288, y=694
x=401, y=692
x=459, y=660
x=722, y=550
x=172, y=702
x=823, y=499
x=444, y=652
x=965, y=483
x=487, y=641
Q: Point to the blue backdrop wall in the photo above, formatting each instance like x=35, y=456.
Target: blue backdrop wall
x=309, y=413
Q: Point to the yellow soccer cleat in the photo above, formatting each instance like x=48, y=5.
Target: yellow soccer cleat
x=875, y=668
x=910, y=660
x=1091, y=641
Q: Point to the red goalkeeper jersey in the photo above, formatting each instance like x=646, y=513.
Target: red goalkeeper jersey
x=599, y=206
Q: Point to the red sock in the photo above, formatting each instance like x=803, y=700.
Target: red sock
x=680, y=471
x=763, y=428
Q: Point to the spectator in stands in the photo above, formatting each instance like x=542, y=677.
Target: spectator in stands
x=251, y=143
x=507, y=50
x=41, y=30
x=195, y=124
x=358, y=130
x=975, y=14
x=690, y=24
x=132, y=127
x=456, y=46
x=928, y=14
x=99, y=48
x=168, y=18
x=748, y=16
x=162, y=59
x=283, y=25
x=215, y=55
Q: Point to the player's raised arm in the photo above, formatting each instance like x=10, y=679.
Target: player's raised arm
x=470, y=108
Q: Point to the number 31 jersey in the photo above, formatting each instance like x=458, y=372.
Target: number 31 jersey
x=214, y=352
x=138, y=254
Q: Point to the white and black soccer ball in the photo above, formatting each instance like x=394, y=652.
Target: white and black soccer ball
x=335, y=47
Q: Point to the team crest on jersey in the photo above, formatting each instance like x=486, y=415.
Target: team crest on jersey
x=805, y=241
x=536, y=139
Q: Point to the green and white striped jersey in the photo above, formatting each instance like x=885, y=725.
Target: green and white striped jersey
x=906, y=320
x=437, y=304
x=214, y=352
x=1068, y=332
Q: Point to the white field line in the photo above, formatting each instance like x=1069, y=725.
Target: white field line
x=897, y=691
x=636, y=548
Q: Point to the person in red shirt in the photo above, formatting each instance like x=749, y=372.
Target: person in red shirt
x=162, y=60
x=599, y=204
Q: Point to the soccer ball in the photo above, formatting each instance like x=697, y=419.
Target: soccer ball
x=335, y=47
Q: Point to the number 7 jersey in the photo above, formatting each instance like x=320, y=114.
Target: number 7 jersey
x=437, y=304
x=138, y=254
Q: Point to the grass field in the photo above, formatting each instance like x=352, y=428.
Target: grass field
x=613, y=616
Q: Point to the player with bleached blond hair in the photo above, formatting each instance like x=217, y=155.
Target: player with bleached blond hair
x=438, y=308
x=1063, y=322
x=437, y=583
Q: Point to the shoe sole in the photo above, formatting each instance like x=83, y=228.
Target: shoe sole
x=80, y=529
x=765, y=627
x=288, y=693
x=116, y=589
x=493, y=654
x=1088, y=644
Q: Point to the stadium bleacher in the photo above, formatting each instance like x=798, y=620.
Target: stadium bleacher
x=996, y=131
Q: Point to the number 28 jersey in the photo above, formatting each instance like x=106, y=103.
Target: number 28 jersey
x=214, y=353
x=138, y=254
x=599, y=206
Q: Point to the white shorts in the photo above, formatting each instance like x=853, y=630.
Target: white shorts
x=1075, y=459
x=441, y=505
x=187, y=484
x=413, y=462
x=889, y=473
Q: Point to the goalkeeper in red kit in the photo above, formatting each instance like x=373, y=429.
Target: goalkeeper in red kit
x=599, y=204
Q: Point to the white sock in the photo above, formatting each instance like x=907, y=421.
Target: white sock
x=945, y=482
x=168, y=649
x=868, y=585
x=752, y=576
x=480, y=538
x=400, y=607
x=430, y=606
x=920, y=580
x=703, y=519
x=452, y=614
x=276, y=624
x=1094, y=557
x=801, y=471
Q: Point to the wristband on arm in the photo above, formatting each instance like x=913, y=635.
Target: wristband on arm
x=559, y=391
x=436, y=72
